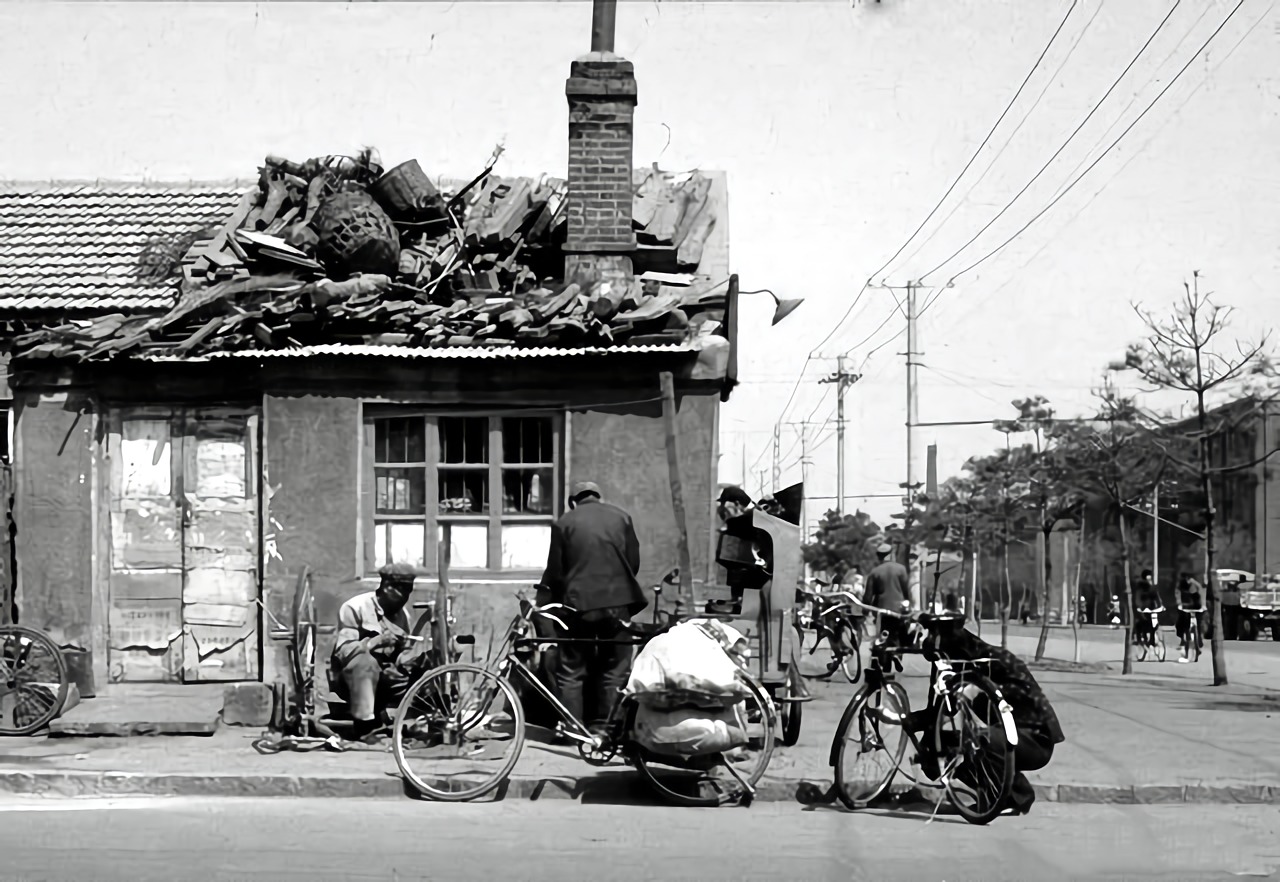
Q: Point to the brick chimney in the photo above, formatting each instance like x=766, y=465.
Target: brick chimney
x=602, y=100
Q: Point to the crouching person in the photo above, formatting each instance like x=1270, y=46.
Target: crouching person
x=1037, y=723
x=369, y=668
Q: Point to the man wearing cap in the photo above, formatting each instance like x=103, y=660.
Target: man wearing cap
x=372, y=634
x=591, y=568
x=888, y=587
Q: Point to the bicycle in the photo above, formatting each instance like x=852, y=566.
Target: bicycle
x=34, y=680
x=973, y=739
x=1153, y=641
x=835, y=623
x=480, y=710
x=1191, y=638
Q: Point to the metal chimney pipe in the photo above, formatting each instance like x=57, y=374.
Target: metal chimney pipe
x=603, y=16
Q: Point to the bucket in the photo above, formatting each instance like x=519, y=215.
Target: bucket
x=406, y=193
x=80, y=669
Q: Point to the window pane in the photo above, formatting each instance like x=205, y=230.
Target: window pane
x=464, y=491
x=406, y=543
x=469, y=545
x=380, y=545
x=524, y=546
x=527, y=439
x=464, y=440
x=401, y=491
x=528, y=491
x=400, y=440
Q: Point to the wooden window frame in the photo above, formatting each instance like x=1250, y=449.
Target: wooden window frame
x=431, y=518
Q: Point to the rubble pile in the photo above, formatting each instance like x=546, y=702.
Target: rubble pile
x=335, y=250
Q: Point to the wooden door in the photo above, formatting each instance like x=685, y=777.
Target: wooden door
x=144, y=620
x=183, y=578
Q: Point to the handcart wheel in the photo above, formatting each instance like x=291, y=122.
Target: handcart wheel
x=791, y=713
x=33, y=680
x=706, y=781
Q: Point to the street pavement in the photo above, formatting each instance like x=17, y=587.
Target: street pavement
x=1163, y=731
x=145, y=839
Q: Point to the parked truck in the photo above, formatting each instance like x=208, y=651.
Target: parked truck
x=1249, y=604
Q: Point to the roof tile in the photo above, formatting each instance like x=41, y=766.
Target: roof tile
x=76, y=246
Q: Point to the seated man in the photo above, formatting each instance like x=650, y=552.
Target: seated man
x=1036, y=721
x=369, y=668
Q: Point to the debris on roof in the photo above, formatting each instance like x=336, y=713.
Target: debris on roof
x=335, y=250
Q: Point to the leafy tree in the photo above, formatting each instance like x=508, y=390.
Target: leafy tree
x=1055, y=495
x=1117, y=462
x=843, y=541
x=1180, y=355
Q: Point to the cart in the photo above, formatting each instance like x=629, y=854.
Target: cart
x=761, y=554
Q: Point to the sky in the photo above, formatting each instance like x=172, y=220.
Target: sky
x=840, y=126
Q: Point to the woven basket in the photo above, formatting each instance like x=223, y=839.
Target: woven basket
x=356, y=235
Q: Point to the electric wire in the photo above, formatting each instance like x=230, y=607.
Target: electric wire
x=1066, y=143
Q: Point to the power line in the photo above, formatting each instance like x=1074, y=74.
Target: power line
x=1106, y=152
x=1145, y=144
x=863, y=290
x=1030, y=110
x=1096, y=107
x=985, y=140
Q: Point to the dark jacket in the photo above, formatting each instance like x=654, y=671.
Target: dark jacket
x=593, y=560
x=1031, y=709
x=888, y=585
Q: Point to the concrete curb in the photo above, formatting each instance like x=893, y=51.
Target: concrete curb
x=622, y=787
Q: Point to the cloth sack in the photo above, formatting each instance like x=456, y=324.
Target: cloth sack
x=690, y=732
x=688, y=659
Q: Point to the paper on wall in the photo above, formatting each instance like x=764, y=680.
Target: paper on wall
x=220, y=469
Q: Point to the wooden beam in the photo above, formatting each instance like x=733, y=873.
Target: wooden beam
x=677, y=491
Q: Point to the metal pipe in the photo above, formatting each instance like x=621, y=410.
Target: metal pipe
x=603, y=17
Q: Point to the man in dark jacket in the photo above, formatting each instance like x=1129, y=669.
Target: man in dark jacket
x=592, y=568
x=889, y=588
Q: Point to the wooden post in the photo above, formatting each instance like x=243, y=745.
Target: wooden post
x=677, y=492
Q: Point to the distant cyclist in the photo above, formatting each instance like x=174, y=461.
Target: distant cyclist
x=1190, y=608
x=1147, y=602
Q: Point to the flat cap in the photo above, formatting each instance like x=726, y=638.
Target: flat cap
x=398, y=572
x=585, y=488
x=884, y=548
x=734, y=493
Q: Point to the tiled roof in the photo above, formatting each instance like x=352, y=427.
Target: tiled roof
x=77, y=246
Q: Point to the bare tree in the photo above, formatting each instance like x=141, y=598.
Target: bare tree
x=1180, y=354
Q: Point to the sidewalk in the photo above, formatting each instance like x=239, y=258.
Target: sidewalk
x=1146, y=738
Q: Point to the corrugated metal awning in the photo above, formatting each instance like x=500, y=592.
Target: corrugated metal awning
x=413, y=352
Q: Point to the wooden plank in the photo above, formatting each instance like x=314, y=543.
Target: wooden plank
x=677, y=491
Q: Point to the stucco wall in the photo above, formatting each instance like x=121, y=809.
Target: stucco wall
x=53, y=513
x=310, y=484
x=626, y=454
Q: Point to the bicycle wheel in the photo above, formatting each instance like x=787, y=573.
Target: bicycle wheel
x=972, y=738
x=1160, y=647
x=870, y=743
x=851, y=661
x=304, y=647
x=449, y=729
x=810, y=661
x=33, y=680
x=705, y=781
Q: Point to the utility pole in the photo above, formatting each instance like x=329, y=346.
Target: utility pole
x=913, y=415
x=804, y=473
x=777, y=463
x=744, y=465
x=843, y=380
